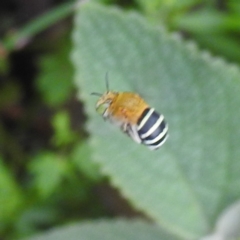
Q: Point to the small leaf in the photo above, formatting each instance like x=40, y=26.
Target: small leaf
x=81, y=156
x=221, y=44
x=228, y=224
x=203, y=21
x=63, y=134
x=55, y=78
x=107, y=230
x=10, y=195
x=33, y=217
x=48, y=169
x=156, y=5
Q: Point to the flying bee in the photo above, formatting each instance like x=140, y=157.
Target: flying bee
x=134, y=116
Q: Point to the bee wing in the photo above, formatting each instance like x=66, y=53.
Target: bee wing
x=131, y=130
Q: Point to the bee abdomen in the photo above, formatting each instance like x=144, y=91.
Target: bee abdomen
x=152, y=128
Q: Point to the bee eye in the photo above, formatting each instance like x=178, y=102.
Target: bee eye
x=102, y=108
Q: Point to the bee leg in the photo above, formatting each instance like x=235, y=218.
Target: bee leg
x=132, y=132
x=124, y=127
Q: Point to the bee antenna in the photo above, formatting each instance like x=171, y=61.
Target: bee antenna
x=96, y=94
x=107, y=83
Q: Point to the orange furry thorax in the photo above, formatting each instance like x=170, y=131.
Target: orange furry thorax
x=125, y=106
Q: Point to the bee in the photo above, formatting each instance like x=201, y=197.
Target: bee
x=133, y=116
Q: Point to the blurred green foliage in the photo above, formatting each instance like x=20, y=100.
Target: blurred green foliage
x=63, y=134
x=47, y=180
x=55, y=78
x=215, y=25
x=11, y=197
x=52, y=182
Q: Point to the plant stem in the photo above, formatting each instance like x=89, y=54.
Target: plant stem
x=20, y=37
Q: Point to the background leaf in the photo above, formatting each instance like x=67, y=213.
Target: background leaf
x=54, y=85
x=81, y=158
x=184, y=185
x=62, y=127
x=48, y=169
x=227, y=226
x=10, y=195
x=114, y=230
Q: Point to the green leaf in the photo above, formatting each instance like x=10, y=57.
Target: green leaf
x=221, y=44
x=48, y=169
x=206, y=21
x=165, y=11
x=10, y=196
x=157, y=5
x=81, y=156
x=34, y=216
x=63, y=134
x=107, y=230
x=233, y=6
x=184, y=185
x=227, y=226
x=55, y=78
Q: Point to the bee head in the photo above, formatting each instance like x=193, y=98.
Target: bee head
x=104, y=102
x=105, y=99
